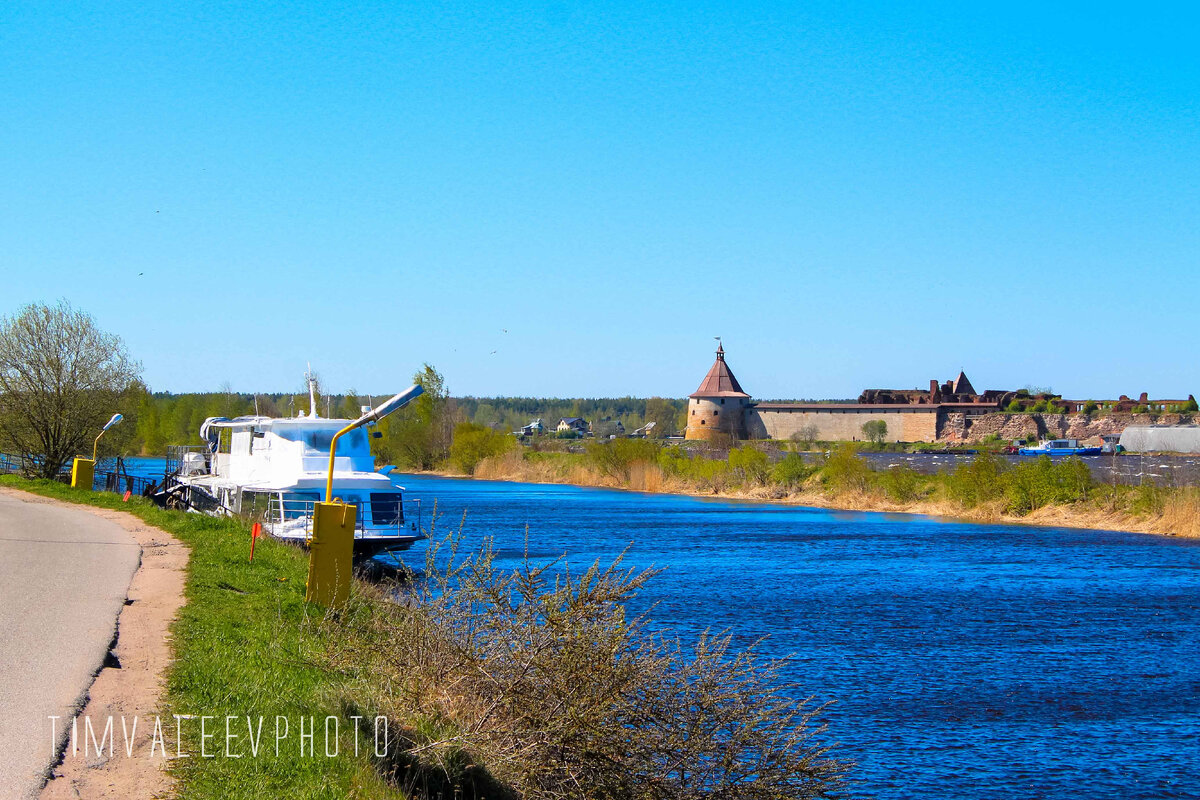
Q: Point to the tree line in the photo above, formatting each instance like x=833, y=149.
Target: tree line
x=62, y=377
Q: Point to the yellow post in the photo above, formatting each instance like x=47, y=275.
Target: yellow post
x=83, y=471
x=331, y=554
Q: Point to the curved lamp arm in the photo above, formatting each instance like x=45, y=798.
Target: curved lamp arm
x=395, y=403
x=96, y=444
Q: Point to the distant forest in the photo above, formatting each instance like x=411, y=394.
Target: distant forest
x=164, y=418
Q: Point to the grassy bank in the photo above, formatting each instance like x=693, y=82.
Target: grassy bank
x=245, y=644
x=528, y=684
x=1043, y=492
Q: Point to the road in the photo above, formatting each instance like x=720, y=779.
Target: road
x=64, y=574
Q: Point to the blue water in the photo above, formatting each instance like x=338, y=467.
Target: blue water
x=966, y=661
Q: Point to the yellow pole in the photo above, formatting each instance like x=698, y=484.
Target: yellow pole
x=95, y=445
x=332, y=450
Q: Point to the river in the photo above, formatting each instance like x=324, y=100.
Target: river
x=965, y=660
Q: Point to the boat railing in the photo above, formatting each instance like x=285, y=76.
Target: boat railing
x=377, y=518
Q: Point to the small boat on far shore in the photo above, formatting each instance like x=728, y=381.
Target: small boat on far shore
x=1059, y=447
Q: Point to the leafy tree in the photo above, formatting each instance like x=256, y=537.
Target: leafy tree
x=61, y=378
x=665, y=416
x=473, y=443
x=875, y=431
x=419, y=435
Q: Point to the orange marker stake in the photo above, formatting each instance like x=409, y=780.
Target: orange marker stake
x=128, y=494
x=255, y=532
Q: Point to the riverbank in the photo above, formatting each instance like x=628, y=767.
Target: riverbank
x=244, y=644
x=442, y=684
x=971, y=494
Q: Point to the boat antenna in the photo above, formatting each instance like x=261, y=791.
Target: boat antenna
x=256, y=405
x=312, y=392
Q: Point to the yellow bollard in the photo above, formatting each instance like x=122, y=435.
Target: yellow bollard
x=83, y=471
x=331, y=554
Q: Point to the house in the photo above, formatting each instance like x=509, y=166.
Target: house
x=534, y=428
x=576, y=424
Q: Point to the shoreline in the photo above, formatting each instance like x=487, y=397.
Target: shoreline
x=1052, y=516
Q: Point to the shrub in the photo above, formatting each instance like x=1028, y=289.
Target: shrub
x=473, y=443
x=749, y=465
x=1091, y=407
x=792, y=471
x=978, y=481
x=614, y=457
x=901, y=483
x=1031, y=486
x=536, y=684
x=1014, y=407
x=846, y=471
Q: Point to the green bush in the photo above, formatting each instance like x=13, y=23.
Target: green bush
x=1034, y=485
x=978, y=481
x=792, y=471
x=615, y=456
x=474, y=443
x=749, y=465
x=901, y=483
x=846, y=471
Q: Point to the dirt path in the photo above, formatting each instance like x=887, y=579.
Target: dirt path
x=134, y=689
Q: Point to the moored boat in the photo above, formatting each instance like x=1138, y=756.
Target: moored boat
x=1059, y=447
x=274, y=470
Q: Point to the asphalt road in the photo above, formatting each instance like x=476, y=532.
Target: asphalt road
x=64, y=574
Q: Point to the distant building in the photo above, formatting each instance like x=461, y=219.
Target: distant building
x=1161, y=439
x=534, y=428
x=576, y=424
x=720, y=408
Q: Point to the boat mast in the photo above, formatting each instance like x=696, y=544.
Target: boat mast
x=312, y=393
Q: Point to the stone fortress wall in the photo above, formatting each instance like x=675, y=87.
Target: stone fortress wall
x=914, y=424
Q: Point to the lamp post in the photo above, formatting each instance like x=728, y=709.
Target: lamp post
x=331, y=551
x=83, y=471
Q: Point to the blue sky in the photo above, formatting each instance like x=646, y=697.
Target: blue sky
x=543, y=199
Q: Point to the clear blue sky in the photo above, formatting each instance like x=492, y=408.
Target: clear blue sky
x=851, y=195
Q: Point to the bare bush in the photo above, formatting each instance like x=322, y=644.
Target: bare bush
x=534, y=683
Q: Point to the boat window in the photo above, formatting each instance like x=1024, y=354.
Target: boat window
x=386, y=508
x=320, y=440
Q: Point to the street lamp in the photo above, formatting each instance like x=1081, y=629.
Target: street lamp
x=380, y=411
x=115, y=419
x=331, y=550
x=83, y=471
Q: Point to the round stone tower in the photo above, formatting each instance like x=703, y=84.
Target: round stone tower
x=718, y=407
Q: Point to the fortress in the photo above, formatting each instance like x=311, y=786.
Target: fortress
x=719, y=409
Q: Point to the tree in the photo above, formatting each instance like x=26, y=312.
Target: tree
x=419, y=435
x=665, y=416
x=875, y=431
x=61, y=378
x=473, y=443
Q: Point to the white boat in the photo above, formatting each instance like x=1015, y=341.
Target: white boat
x=273, y=470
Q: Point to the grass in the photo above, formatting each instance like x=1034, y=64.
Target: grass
x=531, y=683
x=246, y=643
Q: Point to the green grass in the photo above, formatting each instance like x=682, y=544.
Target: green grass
x=246, y=643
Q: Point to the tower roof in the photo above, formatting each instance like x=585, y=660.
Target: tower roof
x=719, y=382
x=962, y=385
